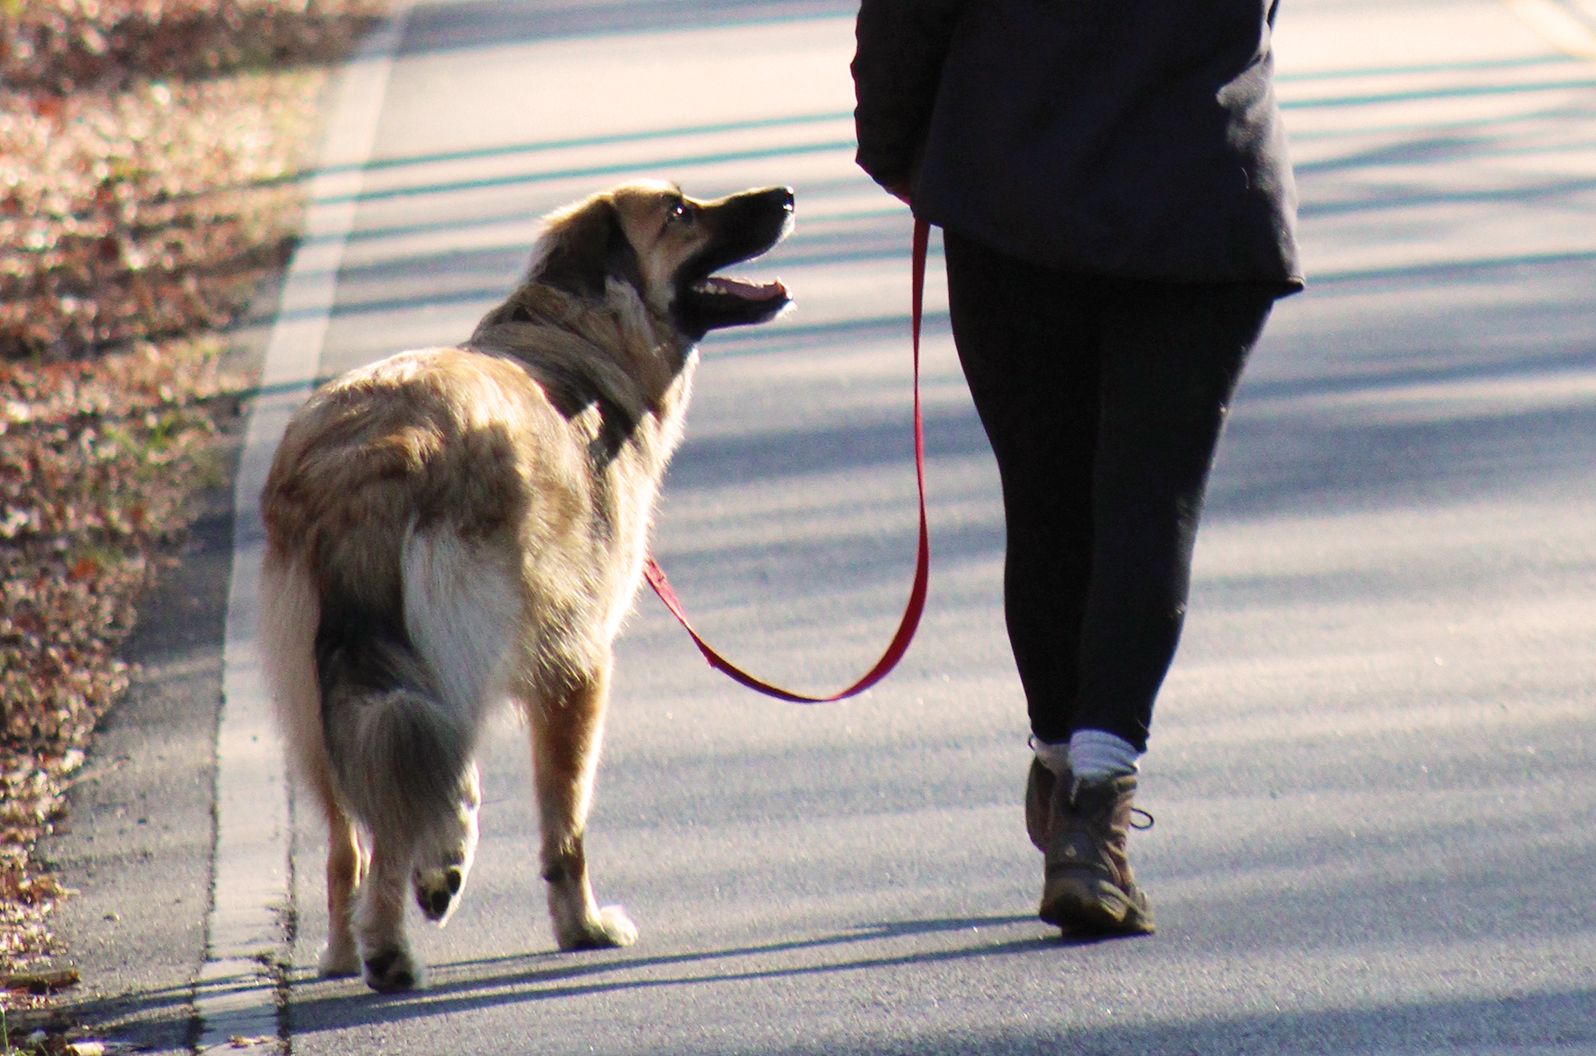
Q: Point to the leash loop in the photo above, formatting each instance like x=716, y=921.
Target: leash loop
x=922, y=564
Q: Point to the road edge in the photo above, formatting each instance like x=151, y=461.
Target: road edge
x=240, y=986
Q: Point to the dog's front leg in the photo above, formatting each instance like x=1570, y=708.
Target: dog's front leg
x=567, y=726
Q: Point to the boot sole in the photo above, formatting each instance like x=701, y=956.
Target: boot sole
x=1098, y=908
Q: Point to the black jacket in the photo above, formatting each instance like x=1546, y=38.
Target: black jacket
x=1134, y=138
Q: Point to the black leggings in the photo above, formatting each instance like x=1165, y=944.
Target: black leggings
x=1103, y=400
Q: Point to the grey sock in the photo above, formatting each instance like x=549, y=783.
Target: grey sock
x=1097, y=754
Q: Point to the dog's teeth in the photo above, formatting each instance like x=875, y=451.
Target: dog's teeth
x=750, y=291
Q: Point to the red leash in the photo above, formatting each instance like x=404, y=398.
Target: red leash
x=922, y=564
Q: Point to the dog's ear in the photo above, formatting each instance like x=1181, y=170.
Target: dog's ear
x=587, y=248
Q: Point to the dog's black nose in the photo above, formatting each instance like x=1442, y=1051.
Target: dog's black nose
x=439, y=903
x=781, y=197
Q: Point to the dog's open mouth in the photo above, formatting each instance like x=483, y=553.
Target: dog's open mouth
x=721, y=300
x=747, y=225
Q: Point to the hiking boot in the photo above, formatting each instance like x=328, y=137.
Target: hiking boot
x=1088, y=887
x=1039, y=784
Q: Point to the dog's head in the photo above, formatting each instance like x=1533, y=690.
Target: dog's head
x=668, y=248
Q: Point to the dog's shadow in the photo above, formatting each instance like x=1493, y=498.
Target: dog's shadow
x=461, y=986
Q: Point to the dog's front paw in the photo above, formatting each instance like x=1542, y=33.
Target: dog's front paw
x=392, y=969
x=338, y=961
x=611, y=928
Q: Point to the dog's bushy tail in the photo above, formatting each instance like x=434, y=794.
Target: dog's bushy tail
x=398, y=752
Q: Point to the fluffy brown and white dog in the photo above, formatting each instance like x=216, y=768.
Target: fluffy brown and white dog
x=451, y=528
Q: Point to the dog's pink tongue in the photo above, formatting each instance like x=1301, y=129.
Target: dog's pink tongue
x=752, y=291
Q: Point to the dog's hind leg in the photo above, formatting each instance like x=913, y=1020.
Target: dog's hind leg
x=462, y=611
x=443, y=855
x=380, y=918
x=291, y=614
x=567, y=726
x=346, y=867
x=398, y=756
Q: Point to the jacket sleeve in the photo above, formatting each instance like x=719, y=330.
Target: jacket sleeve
x=896, y=66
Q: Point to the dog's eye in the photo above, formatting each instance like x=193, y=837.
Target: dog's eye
x=680, y=213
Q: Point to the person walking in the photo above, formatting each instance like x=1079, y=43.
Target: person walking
x=1118, y=215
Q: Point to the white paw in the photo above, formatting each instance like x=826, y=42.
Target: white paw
x=615, y=924
x=611, y=928
x=338, y=961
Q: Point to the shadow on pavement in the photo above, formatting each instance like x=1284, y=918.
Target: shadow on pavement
x=466, y=985
x=1537, y=1023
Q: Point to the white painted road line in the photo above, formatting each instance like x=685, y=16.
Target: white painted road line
x=236, y=994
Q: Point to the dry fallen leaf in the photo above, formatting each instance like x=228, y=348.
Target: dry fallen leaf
x=148, y=159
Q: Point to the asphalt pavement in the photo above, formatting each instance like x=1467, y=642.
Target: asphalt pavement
x=1371, y=767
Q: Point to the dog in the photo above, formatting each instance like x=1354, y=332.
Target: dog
x=450, y=528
